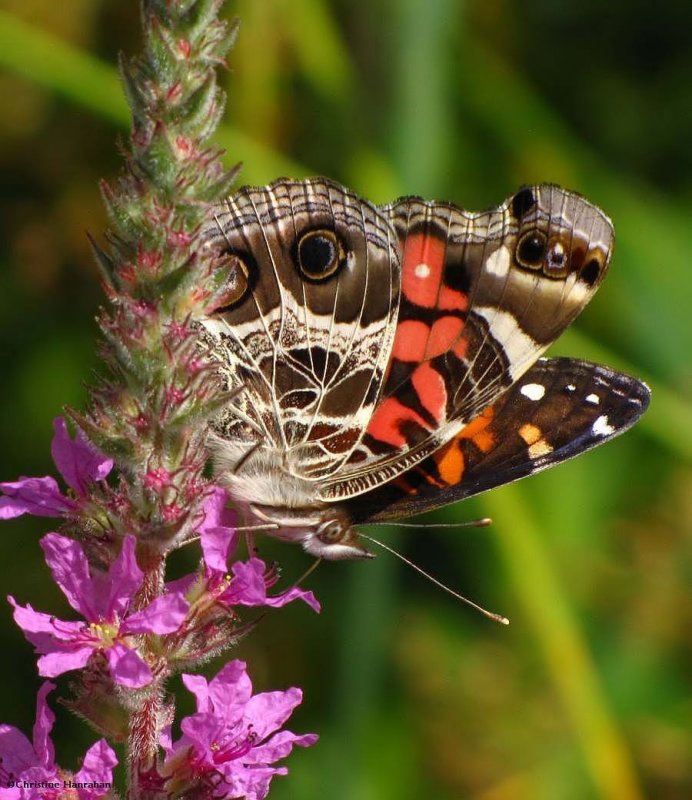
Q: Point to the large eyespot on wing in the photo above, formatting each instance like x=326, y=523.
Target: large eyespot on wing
x=319, y=254
x=559, y=409
x=309, y=325
x=554, y=262
x=482, y=296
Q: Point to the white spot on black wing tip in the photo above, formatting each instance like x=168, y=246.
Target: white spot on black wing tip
x=602, y=427
x=534, y=391
x=593, y=399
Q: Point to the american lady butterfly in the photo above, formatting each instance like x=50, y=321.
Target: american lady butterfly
x=384, y=360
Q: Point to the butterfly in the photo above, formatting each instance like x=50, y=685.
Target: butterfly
x=385, y=360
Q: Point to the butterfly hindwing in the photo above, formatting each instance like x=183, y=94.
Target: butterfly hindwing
x=309, y=328
x=560, y=408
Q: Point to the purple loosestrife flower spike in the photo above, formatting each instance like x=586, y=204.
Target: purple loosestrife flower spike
x=80, y=465
x=104, y=601
x=22, y=761
x=234, y=734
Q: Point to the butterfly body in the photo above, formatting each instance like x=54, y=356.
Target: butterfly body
x=385, y=360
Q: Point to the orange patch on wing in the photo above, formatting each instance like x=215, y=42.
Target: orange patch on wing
x=450, y=463
x=533, y=437
x=410, y=340
x=443, y=334
x=530, y=433
x=451, y=300
x=386, y=422
x=461, y=347
x=477, y=431
x=423, y=267
x=431, y=390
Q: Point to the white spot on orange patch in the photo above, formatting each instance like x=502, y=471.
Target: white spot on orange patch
x=421, y=270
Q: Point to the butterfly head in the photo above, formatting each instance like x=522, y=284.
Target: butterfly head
x=327, y=533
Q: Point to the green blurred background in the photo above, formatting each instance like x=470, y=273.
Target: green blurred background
x=587, y=693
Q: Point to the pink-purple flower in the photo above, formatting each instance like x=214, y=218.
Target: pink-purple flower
x=80, y=465
x=26, y=763
x=103, y=599
x=234, y=739
x=248, y=582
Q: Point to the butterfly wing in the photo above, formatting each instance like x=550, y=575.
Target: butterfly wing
x=482, y=296
x=559, y=409
x=307, y=333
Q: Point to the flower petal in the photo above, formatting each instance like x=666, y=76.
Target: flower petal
x=163, y=615
x=58, y=661
x=249, y=588
x=278, y=747
x=230, y=688
x=198, y=685
x=294, y=593
x=125, y=578
x=250, y=784
x=127, y=667
x=78, y=461
x=70, y=570
x=42, y=630
x=216, y=513
x=216, y=545
x=268, y=711
x=205, y=732
x=16, y=751
x=217, y=533
x=97, y=767
x=38, y=496
x=45, y=719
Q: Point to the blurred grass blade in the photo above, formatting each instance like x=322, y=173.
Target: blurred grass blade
x=62, y=68
x=88, y=82
x=565, y=651
x=422, y=109
x=327, y=67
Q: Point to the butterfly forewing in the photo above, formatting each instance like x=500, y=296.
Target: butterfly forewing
x=482, y=296
x=560, y=408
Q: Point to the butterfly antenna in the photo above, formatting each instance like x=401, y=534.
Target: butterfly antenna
x=473, y=523
x=495, y=617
